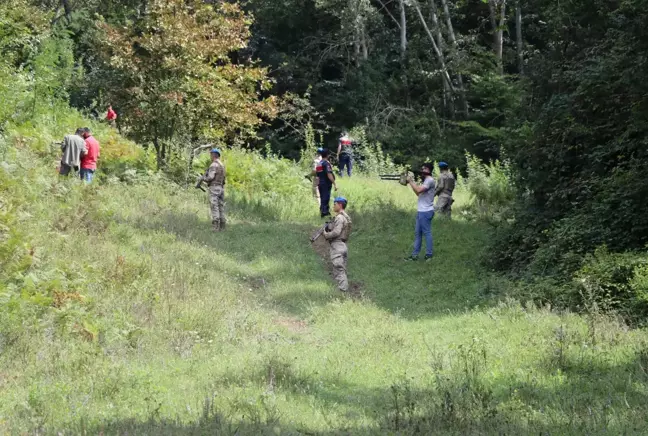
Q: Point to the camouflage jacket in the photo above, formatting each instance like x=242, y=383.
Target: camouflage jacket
x=215, y=174
x=446, y=184
x=340, y=228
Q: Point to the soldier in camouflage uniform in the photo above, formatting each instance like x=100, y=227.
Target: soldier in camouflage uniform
x=215, y=179
x=338, y=235
x=444, y=190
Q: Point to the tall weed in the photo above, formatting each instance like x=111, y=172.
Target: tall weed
x=490, y=187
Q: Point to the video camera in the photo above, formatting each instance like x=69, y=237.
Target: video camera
x=401, y=178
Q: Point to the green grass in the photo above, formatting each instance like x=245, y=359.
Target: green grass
x=183, y=331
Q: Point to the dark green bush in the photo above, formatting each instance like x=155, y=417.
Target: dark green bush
x=614, y=282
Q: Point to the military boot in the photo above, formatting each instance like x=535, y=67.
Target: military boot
x=222, y=224
x=216, y=225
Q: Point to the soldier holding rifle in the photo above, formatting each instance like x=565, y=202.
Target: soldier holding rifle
x=215, y=179
x=337, y=234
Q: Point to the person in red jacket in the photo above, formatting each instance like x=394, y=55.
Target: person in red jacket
x=111, y=116
x=89, y=160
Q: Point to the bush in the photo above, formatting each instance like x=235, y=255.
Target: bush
x=614, y=282
x=253, y=174
x=369, y=157
x=490, y=187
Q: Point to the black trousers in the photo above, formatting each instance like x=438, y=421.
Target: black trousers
x=325, y=199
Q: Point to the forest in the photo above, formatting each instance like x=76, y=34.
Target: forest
x=122, y=312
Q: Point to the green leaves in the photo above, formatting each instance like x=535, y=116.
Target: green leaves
x=176, y=77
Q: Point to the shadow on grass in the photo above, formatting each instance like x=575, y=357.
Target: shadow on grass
x=280, y=251
x=453, y=280
x=274, y=258
x=460, y=403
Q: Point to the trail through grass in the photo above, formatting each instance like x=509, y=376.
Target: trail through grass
x=181, y=330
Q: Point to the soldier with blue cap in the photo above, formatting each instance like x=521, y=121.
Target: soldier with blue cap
x=337, y=236
x=444, y=188
x=215, y=179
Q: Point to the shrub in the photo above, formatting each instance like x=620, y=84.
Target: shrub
x=251, y=173
x=370, y=159
x=490, y=186
x=616, y=282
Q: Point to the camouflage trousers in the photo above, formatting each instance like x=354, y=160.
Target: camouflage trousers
x=217, y=207
x=339, y=261
x=444, y=206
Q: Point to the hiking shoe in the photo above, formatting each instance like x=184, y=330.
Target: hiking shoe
x=428, y=257
x=411, y=259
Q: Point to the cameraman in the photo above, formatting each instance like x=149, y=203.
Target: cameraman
x=425, y=212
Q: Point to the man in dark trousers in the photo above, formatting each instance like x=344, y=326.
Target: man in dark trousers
x=345, y=154
x=73, y=148
x=326, y=179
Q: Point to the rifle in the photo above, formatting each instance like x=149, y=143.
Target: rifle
x=401, y=178
x=199, y=183
x=320, y=232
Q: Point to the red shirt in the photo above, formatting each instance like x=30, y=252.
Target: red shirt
x=112, y=115
x=89, y=161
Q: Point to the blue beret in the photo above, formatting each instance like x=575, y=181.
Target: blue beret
x=340, y=200
x=215, y=150
x=443, y=165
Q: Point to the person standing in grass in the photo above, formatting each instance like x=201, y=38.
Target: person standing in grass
x=444, y=189
x=326, y=181
x=215, y=179
x=345, y=154
x=316, y=161
x=73, y=148
x=89, y=160
x=337, y=236
x=111, y=117
x=425, y=212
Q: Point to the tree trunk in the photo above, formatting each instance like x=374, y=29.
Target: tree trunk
x=363, y=43
x=356, y=46
x=158, y=152
x=67, y=8
x=403, y=30
x=435, y=47
x=497, y=10
x=518, y=37
x=500, y=38
x=455, y=46
x=448, y=101
x=451, y=34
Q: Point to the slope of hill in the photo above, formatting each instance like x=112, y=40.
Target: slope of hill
x=122, y=313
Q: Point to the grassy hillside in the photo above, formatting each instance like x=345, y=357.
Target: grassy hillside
x=122, y=313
